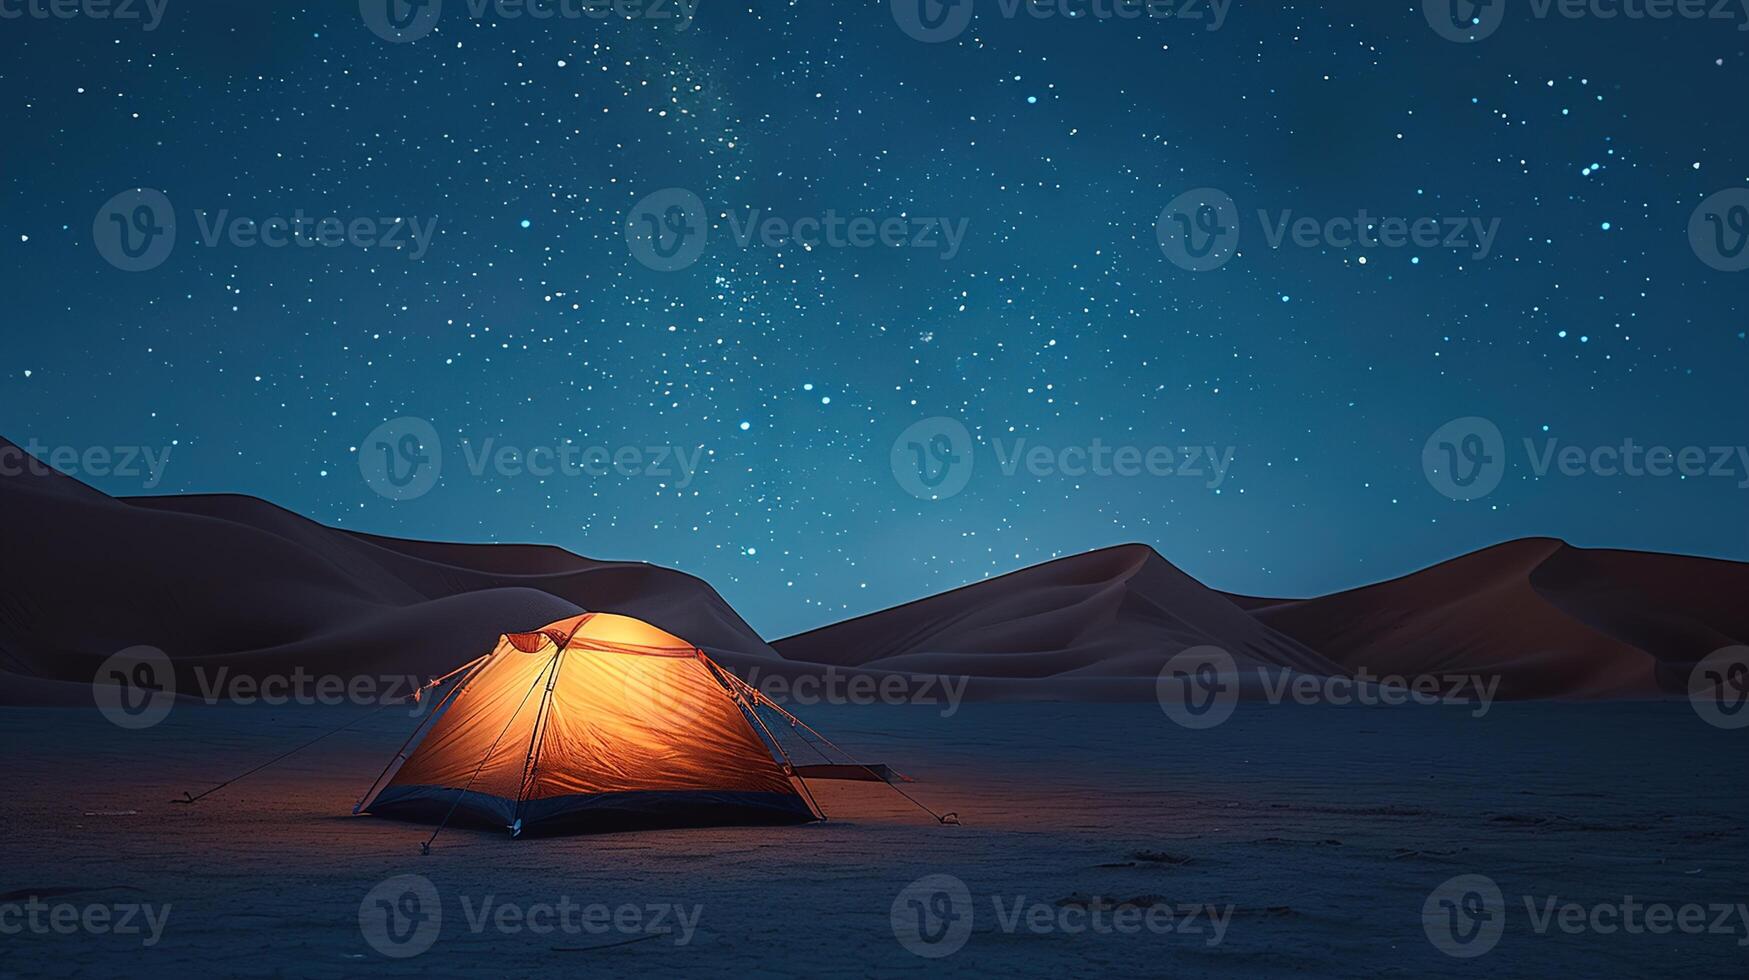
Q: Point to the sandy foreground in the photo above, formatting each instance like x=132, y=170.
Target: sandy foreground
x=1288, y=841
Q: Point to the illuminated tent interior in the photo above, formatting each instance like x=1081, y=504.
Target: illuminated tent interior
x=598, y=723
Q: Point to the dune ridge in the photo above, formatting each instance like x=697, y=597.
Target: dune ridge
x=234, y=582
x=1547, y=618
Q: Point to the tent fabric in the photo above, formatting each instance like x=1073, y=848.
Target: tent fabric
x=595, y=722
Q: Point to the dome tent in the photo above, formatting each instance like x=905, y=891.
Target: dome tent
x=598, y=722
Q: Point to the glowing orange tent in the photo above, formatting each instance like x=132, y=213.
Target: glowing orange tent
x=598, y=722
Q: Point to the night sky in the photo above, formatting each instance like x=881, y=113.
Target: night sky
x=528, y=321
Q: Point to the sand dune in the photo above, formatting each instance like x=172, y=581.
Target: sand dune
x=1099, y=624
x=1544, y=618
x=234, y=582
x=1549, y=619
x=230, y=581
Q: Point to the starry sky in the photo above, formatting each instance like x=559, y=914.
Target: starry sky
x=793, y=369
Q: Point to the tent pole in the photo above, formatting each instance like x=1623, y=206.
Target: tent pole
x=740, y=699
x=810, y=744
x=436, y=709
x=537, y=737
x=797, y=722
x=425, y=848
x=753, y=710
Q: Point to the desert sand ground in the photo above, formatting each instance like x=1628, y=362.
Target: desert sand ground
x=1325, y=829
